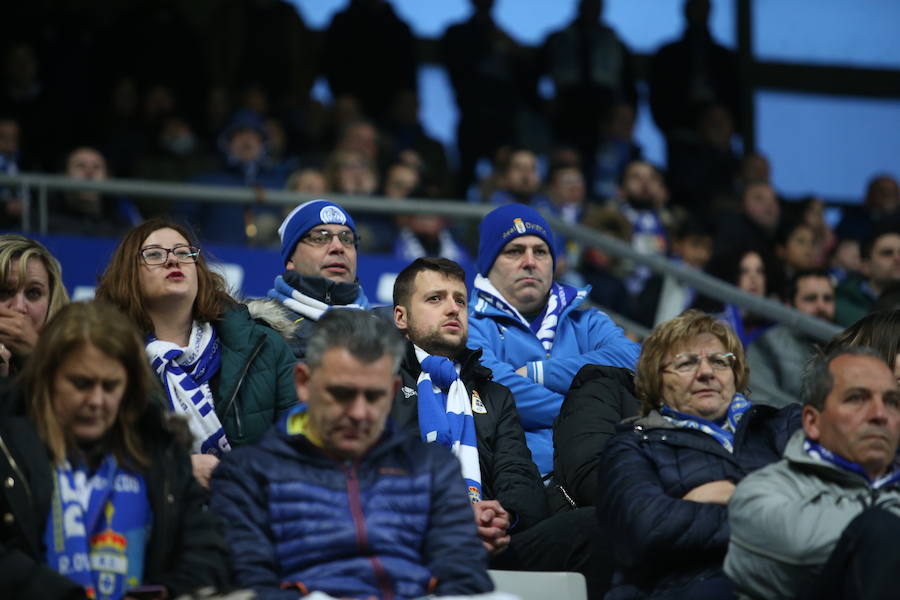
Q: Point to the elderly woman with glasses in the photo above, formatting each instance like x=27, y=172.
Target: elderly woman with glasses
x=228, y=375
x=667, y=475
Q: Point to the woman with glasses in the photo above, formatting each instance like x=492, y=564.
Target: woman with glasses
x=98, y=499
x=229, y=376
x=31, y=291
x=666, y=477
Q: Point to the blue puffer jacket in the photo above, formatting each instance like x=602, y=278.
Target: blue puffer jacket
x=582, y=337
x=660, y=541
x=393, y=525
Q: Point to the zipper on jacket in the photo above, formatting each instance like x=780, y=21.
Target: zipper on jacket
x=233, y=399
x=15, y=467
x=362, y=540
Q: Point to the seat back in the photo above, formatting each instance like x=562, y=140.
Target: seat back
x=541, y=585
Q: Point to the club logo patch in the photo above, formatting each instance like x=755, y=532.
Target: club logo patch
x=408, y=392
x=332, y=214
x=519, y=225
x=477, y=404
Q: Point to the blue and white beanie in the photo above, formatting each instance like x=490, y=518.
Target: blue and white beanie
x=506, y=223
x=305, y=217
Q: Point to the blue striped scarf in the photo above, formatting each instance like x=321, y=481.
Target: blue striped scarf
x=445, y=416
x=724, y=434
x=819, y=452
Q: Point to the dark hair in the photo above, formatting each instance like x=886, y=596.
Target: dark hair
x=786, y=229
x=817, y=378
x=113, y=333
x=687, y=227
x=620, y=180
x=790, y=289
x=726, y=265
x=363, y=334
x=120, y=283
x=889, y=298
x=865, y=247
x=403, y=285
x=879, y=331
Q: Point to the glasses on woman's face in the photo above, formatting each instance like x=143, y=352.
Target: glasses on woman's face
x=322, y=237
x=687, y=363
x=157, y=255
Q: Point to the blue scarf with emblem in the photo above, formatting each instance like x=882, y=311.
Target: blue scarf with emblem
x=814, y=450
x=722, y=433
x=445, y=416
x=98, y=528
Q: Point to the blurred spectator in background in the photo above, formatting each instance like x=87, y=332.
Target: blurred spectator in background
x=664, y=297
x=755, y=222
x=812, y=212
x=638, y=199
x=778, y=355
x=487, y=69
x=882, y=202
x=88, y=212
x=794, y=247
x=243, y=146
x=370, y=53
x=25, y=95
x=405, y=133
x=844, y=259
x=880, y=267
x=11, y=214
x=615, y=149
x=518, y=179
x=753, y=271
x=603, y=272
x=592, y=72
x=308, y=181
x=350, y=172
x=691, y=73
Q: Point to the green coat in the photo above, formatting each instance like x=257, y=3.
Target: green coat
x=852, y=303
x=255, y=384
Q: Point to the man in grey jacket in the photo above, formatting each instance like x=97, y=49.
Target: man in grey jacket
x=779, y=355
x=823, y=521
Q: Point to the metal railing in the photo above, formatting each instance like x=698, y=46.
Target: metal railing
x=703, y=283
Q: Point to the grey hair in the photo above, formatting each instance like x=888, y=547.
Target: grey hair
x=817, y=378
x=366, y=336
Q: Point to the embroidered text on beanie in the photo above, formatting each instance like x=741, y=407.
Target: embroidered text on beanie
x=506, y=223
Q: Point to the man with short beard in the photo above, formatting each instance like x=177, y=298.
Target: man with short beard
x=448, y=397
x=641, y=195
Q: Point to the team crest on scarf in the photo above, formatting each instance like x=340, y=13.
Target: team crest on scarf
x=477, y=404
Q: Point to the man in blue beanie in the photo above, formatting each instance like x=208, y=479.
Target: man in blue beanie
x=318, y=248
x=534, y=340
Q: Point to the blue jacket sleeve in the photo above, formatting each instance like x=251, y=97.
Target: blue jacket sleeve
x=537, y=405
x=605, y=344
x=237, y=496
x=646, y=524
x=452, y=550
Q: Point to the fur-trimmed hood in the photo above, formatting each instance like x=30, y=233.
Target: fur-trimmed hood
x=273, y=314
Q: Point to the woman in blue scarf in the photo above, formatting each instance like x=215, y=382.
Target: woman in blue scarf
x=667, y=475
x=98, y=496
x=228, y=375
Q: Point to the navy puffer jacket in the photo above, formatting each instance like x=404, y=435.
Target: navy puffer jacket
x=660, y=541
x=396, y=524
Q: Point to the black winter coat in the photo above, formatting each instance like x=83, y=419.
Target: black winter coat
x=598, y=400
x=186, y=548
x=660, y=541
x=508, y=473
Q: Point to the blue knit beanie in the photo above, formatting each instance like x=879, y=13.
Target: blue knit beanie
x=504, y=224
x=305, y=217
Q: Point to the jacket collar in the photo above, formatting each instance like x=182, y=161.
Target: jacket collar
x=480, y=308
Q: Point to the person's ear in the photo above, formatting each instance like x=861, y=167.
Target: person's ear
x=401, y=317
x=301, y=381
x=810, y=418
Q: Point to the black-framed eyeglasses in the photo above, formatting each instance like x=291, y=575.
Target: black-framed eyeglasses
x=688, y=362
x=157, y=255
x=322, y=237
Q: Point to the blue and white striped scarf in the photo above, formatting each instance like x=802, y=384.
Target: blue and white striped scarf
x=724, y=434
x=300, y=303
x=544, y=325
x=185, y=374
x=445, y=415
x=814, y=450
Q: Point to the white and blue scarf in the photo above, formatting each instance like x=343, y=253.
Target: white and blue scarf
x=722, y=433
x=409, y=248
x=98, y=527
x=300, y=303
x=544, y=325
x=445, y=415
x=185, y=373
x=816, y=451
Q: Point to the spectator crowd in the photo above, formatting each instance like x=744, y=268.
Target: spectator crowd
x=169, y=436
